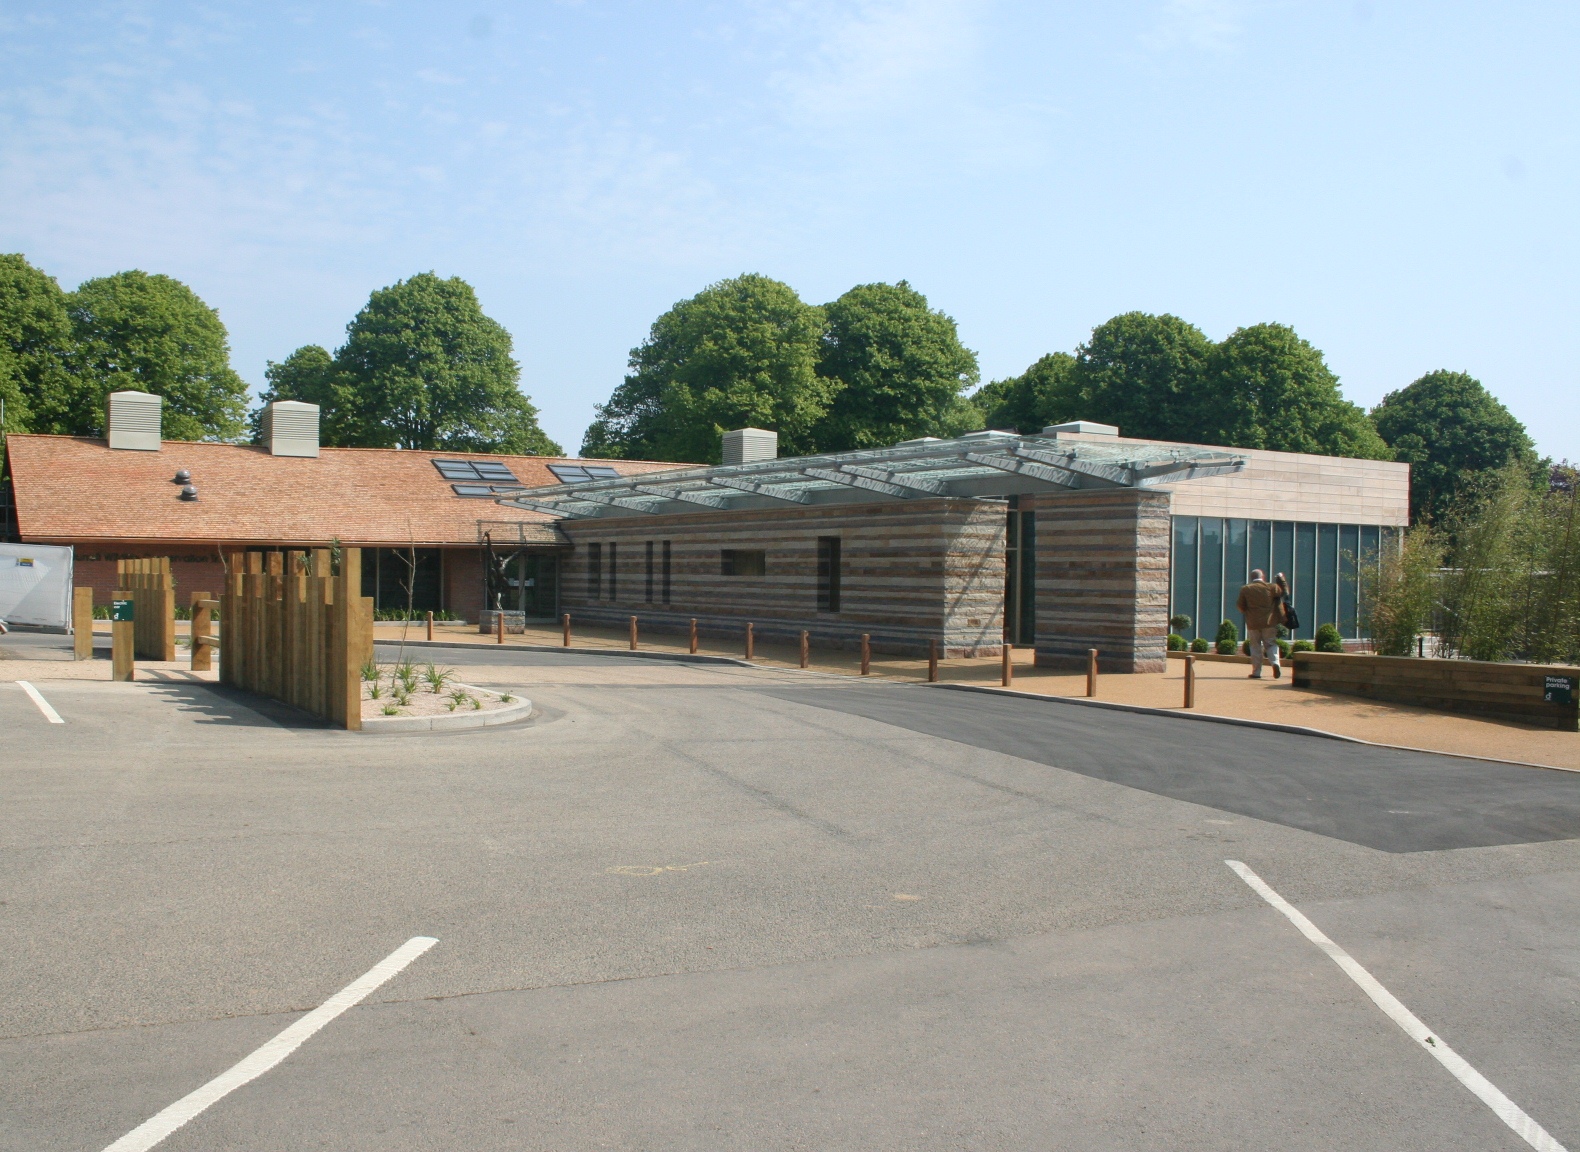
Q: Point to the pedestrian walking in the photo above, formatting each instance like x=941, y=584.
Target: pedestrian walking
x=1262, y=606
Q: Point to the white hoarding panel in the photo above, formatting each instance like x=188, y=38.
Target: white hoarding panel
x=35, y=585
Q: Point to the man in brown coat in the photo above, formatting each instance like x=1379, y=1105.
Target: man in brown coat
x=1259, y=603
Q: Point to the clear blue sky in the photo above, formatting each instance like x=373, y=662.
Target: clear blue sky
x=1396, y=180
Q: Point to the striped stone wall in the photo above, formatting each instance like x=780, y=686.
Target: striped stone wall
x=1103, y=579
x=911, y=571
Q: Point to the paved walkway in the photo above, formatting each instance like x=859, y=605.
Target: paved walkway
x=1221, y=690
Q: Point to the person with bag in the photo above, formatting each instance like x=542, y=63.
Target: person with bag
x=1286, y=601
x=1259, y=603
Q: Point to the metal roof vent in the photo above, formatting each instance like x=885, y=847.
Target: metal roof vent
x=189, y=492
x=1081, y=428
x=745, y=445
x=132, y=421
x=290, y=428
x=182, y=476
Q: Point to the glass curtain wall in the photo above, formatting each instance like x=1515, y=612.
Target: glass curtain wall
x=1213, y=556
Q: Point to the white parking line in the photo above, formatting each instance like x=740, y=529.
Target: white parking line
x=1507, y=1110
x=43, y=705
x=152, y=1131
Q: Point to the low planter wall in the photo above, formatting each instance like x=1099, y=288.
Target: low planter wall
x=1545, y=695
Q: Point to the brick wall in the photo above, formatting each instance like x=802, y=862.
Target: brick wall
x=93, y=566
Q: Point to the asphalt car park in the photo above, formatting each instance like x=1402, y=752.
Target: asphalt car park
x=704, y=906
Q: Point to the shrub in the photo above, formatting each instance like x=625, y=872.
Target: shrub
x=1176, y=642
x=1199, y=644
x=1329, y=640
x=1180, y=623
x=1302, y=646
x=1283, y=649
x=1228, y=638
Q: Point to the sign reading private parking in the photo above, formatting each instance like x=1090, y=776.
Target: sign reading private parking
x=1560, y=690
x=121, y=610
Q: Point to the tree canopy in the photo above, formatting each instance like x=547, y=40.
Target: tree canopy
x=899, y=368
x=150, y=333
x=1265, y=387
x=1158, y=377
x=422, y=367
x=740, y=353
x=1454, y=434
x=35, y=333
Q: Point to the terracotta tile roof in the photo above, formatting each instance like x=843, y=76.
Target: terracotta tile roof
x=71, y=488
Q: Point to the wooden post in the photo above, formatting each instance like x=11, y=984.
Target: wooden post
x=693, y=635
x=202, y=616
x=499, y=626
x=932, y=661
x=806, y=648
x=1190, y=681
x=82, y=623
x=430, y=626
x=633, y=633
x=748, y=639
x=353, y=615
x=565, y=623
x=123, y=634
x=1007, y=676
x=866, y=654
x=1091, y=671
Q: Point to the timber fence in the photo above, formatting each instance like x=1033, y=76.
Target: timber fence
x=153, y=592
x=292, y=630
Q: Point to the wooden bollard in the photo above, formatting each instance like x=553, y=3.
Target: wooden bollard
x=82, y=623
x=866, y=654
x=932, y=661
x=430, y=626
x=1008, y=676
x=499, y=626
x=1190, y=681
x=748, y=639
x=1091, y=671
x=693, y=648
x=200, y=632
x=806, y=648
x=633, y=633
x=565, y=623
x=123, y=635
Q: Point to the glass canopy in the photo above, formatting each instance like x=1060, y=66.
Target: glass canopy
x=979, y=465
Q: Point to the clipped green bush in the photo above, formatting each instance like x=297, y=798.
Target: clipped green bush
x=1176, y=642
x=1302, y=646
x=1283, y=649
x=1180, y=623
x=1329, y=640
x=1228, y=638
x=1200, y=644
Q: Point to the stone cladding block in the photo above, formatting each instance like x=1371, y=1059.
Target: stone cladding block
x=1103, y=579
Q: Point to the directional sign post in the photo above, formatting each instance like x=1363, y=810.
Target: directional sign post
x=122, y=635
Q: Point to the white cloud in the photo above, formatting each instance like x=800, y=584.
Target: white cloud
x=1209, y=25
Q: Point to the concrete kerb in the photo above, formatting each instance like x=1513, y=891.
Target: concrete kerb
x=518, y=709
x=1237, y=721
x=622, y=653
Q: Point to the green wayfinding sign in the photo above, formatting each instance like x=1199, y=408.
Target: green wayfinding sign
x=121, y=610
x=1560, y=690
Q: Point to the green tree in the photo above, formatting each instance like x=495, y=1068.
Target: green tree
x=1028, y=403
x=1454, y=435
x=1143, y=373
x=422, y=367
x=899, y=368
x=1265, y=387
x=308, y=375
x=133, y=331
x=35, y=334
x=740, y=353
